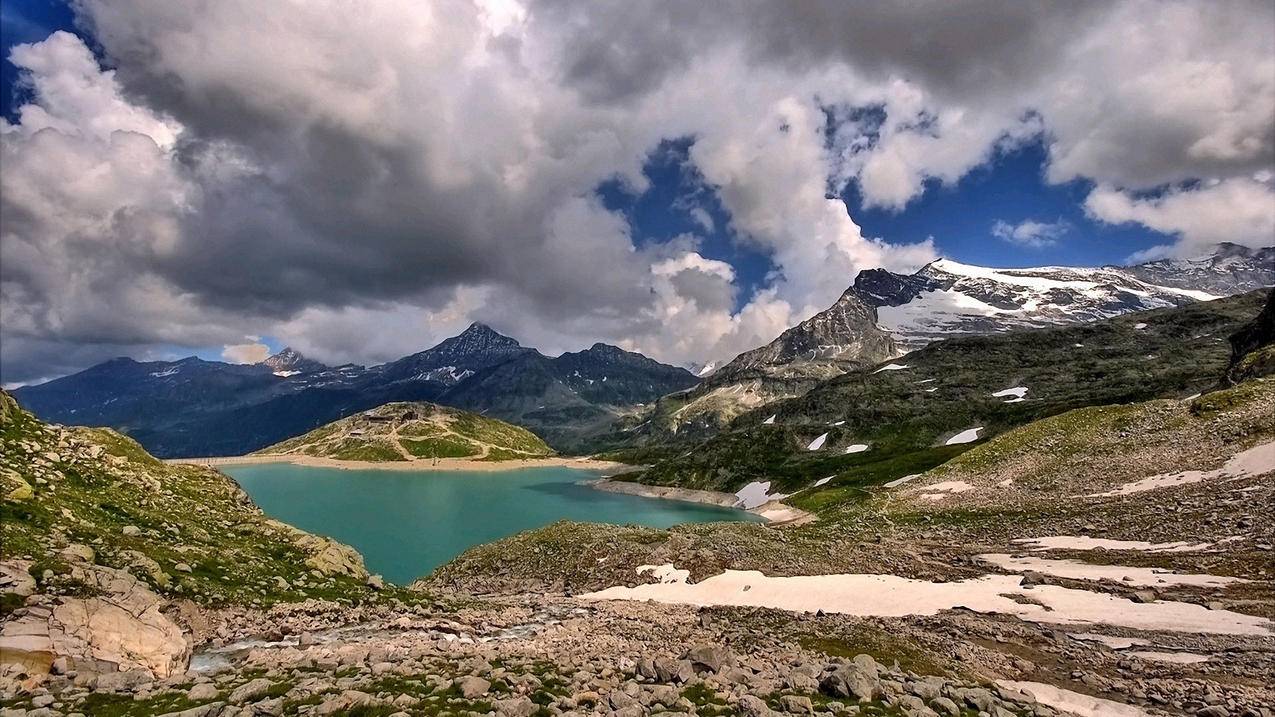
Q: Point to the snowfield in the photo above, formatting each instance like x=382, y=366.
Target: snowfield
x=966, y=436
x=869, y=595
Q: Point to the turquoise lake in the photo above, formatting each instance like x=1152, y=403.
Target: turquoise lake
x=406, y=523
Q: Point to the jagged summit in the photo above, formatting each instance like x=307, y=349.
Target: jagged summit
x=842, y=336
x=289, y=361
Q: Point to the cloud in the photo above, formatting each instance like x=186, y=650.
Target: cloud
x=1241, y=211
x=1030, y=233
x=361, y=180
x=252, y=352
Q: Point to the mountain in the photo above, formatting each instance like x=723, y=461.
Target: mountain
x=1253, y=346
x=408, y=431
x=570, y=398
x=290, y=362
x=841, y=338
x=1229, y=269
x=946, y=298
x=194, y=407
x=455, y=359
x=919, y=410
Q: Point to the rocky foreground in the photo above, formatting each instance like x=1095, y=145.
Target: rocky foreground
x=1109, y=561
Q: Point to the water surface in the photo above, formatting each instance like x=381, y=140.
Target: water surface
x=406, y=523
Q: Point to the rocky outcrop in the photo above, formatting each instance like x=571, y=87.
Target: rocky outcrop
x=324, y=554
x=1253, y=347
x=117, y=628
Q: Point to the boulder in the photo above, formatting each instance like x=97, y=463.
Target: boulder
x=473, y=686
x=250, y=690
x=121, y=628
x=850, y=681
x=709, y=657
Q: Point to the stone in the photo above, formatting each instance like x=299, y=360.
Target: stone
x=709, y=657
x=127, y=680
x=753, y=706
x=1213, y=711
x=183, y=568
x=515, y=707
x=250, y=690
x=202, y=691
x=473, y=686
x=131, y=530
x=1145, y=596
x=850, y=681
x=376, y=582
x=797, y=704
x=200, y=711
x=945, y=706
x=78, y=552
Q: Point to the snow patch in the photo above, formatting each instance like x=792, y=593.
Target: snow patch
x=1073, y=702
x=939, y=491
x=1072, y=542
x=1076, y=570
x=285, y=374
x=1139, y=326
x=665, y=573
x=166, y=372
x=770, y=420
x=817, y=443
x=900, y=481
x=822, y=481
x=856, y=448
x=966, y=436
x=755, y=494
x=892, y=367
x=868, y=595
x=1254, y=461
x=1019, y=393
x=1181, y=658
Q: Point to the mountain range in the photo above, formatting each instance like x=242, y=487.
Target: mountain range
x=196, y=407
x=884, y=315
x=605, y=397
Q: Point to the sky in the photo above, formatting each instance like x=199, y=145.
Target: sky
x=682, y=179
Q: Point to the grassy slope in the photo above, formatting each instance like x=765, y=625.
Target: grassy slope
x=60, y=486
x=877, y=530
x=435, y=432
x=1179, y=352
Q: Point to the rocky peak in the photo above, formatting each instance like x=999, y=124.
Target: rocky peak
x=291, y=360
x=478, y=339
x=843, y=336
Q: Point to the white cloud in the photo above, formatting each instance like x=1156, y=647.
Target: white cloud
x=361, y=180
x=1030, y=233
x=251, y=352
x=1241, y=211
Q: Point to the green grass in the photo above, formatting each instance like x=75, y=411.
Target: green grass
x=440, y=447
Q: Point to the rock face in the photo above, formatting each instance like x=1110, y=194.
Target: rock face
x=947, y=298
x=1253, y=347
x=119, y=629
x=842, y=337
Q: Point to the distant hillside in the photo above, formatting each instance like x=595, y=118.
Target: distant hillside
x=914, y=412
x=415, y=431
x=194, y=407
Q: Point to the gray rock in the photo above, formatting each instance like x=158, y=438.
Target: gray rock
x=202, y=691
x=709, y=657
x=515, y=707
x=473, y=686
x=797, y=704
x=250, y=690
x=850, y=681
x=200, y=711
x=945, y=706
x=753, y=706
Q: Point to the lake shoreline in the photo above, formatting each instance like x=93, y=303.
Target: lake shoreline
x=608, y=468
x=773, y=512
